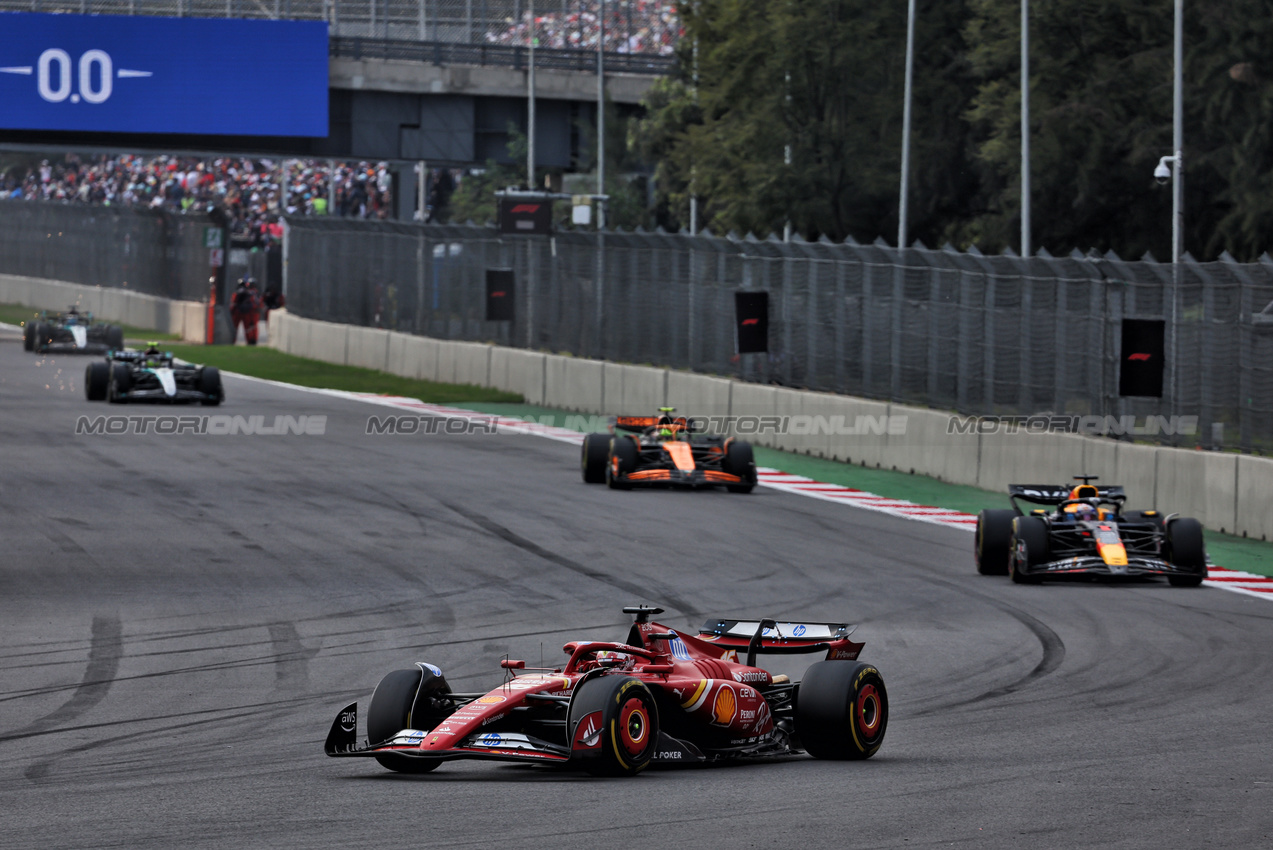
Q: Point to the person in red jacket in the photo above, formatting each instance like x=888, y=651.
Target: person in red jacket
x=245, y=309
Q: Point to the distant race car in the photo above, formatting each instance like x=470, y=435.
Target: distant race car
x=662, y=450
x=71, y=332
x=661, y=697
x=151, y=376
x=1087, y=532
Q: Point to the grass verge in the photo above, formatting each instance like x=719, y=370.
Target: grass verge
x=260, y=362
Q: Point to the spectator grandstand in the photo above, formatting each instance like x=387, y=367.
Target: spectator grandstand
x=253, y=193
x=632, y=26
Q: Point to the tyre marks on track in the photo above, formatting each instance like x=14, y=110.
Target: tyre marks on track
x=638, y=591
x=105, y=649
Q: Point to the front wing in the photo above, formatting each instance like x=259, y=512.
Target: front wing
x=342, y=742
x=1095, y=565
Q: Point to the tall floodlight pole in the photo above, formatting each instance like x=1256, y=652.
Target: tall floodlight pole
x=1025, y=128
x=530, y=103
x=1178, y=142
x=906, y=124
x=601, y=114
x=1177, y=198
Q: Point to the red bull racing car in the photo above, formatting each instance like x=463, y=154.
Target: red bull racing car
x=665, y=450
x=659, y=697
x=1084, y=531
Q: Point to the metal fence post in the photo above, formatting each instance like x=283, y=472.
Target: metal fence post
x=895, y=327
x=868, y=327
x=840, y=320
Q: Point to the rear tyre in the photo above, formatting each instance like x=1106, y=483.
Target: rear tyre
x=622, y=459
x=994, y=542
x=1185, y=549
x=841, y=710
x=405, y=699
x=593, y=458
x=739, y=460
x=614, y=726
x=96, y=376
x=210, y=386
x=1029, y=549
x=115, y=337
x=121, y=381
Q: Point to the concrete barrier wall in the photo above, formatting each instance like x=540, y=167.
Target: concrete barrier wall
x=367, y=348
x=108, y=304
x=1224, y=491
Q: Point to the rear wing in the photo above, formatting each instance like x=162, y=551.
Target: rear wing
x=776, y=638
x=633, y=423
x=1055, y=494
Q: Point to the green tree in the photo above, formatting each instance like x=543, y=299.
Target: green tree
x=826, y=78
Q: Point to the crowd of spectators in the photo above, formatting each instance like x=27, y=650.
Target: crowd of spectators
x=252, y=193
x=632, y=26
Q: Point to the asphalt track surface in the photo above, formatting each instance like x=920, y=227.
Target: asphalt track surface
x=184, y=615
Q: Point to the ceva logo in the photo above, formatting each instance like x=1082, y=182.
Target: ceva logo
x=55, y=82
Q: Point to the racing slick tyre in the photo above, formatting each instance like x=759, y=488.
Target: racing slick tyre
x=994, y=537
x=121, y=381
x=1184, y=544
x=402, y=700
x=38, y=334
x=622, y=458
x=115, y=337
x=27, y=336
x=595, y=456
x=96, y=377
x=1029, y=548
x=614, y=726
x=841, y=710
x=740, y=461
x=210, y=386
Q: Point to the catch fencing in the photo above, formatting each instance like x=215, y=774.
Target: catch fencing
x=979, y=335
x=153, y=252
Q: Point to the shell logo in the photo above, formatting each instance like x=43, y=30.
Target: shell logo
x=725, y=707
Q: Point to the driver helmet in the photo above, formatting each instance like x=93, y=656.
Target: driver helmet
x=1085, y=513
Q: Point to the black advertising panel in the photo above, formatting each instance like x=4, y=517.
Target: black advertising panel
x=525, y=217
x=751, y=311
x=1141, y=358
x=499, y=295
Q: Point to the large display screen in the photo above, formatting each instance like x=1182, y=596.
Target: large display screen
x=163, y=75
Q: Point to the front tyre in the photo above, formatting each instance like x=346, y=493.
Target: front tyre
x=740, y=461
x=994, y=542
x=841, y=710
x=1029, y=549
x=623, y=457
x=1186, y=550
x=96, y=376
x=614, y=726
x=405, y=699
x=210, y=386
x=595, y=454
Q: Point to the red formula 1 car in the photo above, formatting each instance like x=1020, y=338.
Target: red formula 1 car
x=665, y=450
x=614, y=708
